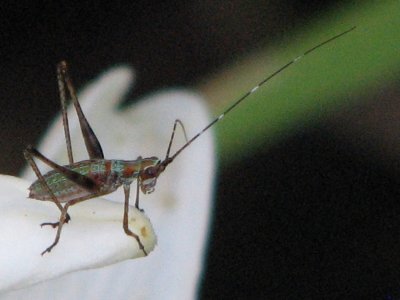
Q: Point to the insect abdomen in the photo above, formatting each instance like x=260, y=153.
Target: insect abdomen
x=106, y=173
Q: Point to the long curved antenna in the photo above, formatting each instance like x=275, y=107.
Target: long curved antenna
x=255, y=88
x=177, y=121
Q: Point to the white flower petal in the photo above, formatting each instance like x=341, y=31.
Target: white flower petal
x=93, y=239
x=179, y=208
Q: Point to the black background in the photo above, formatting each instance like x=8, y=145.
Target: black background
x=321, y=218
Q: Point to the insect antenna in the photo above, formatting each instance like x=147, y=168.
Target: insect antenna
x=168, y=159
x=177, y=121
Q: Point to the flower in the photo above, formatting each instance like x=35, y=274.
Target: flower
x=22, y=239
x=179, y=209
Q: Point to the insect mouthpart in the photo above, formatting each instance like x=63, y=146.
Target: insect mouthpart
x=148, y=178
x=147, y=185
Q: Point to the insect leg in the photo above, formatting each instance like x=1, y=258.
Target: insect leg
x=137, y=192
x=177, y=121
x=75, y=177
x=63, y=218
x=63, y=100
x=126, y=216
x=29, y=154
x=91, y=142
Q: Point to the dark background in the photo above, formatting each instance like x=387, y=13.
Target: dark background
x=321, y=216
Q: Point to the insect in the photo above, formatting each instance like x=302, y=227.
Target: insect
x=87, y=179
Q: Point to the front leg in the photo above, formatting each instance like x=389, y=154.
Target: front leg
x=126, y=219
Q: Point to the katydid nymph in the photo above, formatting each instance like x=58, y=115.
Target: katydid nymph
x=83, y=180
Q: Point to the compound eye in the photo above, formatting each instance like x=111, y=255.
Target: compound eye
x=151, y=172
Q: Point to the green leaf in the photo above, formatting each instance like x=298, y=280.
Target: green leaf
x=333, y=77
